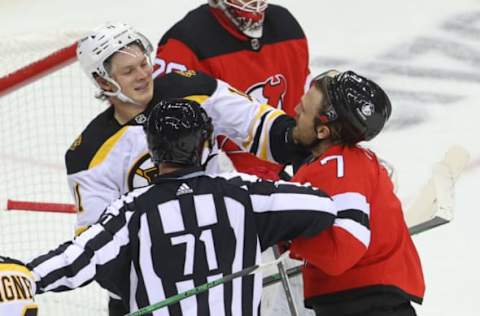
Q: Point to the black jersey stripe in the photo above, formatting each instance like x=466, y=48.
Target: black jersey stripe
x=84, y=148
x=202, y=33
x=355, y=215
x=223, y=228
x=258, y=133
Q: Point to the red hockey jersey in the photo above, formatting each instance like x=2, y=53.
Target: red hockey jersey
x=369, y=260
x=273, y=69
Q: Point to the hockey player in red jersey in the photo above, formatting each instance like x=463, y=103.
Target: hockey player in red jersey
x=367, y=266
x=256, y=47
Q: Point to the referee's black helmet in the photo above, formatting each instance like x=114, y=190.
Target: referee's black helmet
x=176, y=132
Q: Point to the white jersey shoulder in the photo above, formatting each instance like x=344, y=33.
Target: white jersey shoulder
x=243, y=119
x=120, y=164
x=120, y=161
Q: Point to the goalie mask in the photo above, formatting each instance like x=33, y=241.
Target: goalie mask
x=96, y=49
x=359, y=103
x=177, y=131
x=246, y=15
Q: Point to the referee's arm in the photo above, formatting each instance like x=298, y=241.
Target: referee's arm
x=286, y=210
x=81, y=260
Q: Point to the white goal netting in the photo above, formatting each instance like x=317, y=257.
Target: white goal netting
x=38, y=122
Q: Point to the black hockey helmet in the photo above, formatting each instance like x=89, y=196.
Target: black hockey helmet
x=361, y=105
x=176, y=132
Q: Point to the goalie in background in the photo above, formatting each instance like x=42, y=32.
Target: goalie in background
x=186, y=229
x=367, y=265
x=257, y=47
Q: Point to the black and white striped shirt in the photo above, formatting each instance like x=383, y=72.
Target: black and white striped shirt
x=185, y=230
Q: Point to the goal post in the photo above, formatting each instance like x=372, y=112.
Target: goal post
x=45, y=102
x=37, y=69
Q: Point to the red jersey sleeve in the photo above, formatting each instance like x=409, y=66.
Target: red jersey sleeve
x=175, y=55
x=345, y=175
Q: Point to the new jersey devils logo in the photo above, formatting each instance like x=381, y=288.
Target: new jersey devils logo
x=271, y=91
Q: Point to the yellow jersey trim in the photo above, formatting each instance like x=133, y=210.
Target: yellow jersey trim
x=200, y=99
x=29, y=307
x=103, y=152
x=263, y=150
x=80, y=230
x=78, y=198
x=262, y=110
x=15, y=267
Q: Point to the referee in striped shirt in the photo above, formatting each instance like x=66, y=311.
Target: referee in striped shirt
x=186, y=229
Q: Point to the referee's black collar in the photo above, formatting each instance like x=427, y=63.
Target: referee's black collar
x=180, y=174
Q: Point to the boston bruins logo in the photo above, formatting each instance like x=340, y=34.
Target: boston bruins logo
x=142, y=173
x=76, y=143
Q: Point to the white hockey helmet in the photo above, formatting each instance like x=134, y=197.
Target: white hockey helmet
x=102, y=43
x=246, y=15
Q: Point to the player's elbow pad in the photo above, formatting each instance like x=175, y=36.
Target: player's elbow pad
x=333, y=252
x=284, y=149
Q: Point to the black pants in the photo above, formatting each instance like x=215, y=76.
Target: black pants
x=405, y=309
x=116, y=308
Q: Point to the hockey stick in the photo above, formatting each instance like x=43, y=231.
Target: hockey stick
x=274, y=278
x=433, y=206
x=206, y=286
x=294, y=271
x=285, y=283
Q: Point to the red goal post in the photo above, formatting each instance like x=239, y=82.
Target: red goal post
x=45, y=102
x=37, y=69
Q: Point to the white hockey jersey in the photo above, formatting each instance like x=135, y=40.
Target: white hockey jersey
x=16, y=289
x=109, y=159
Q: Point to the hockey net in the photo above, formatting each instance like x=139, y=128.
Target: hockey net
x=45, y=102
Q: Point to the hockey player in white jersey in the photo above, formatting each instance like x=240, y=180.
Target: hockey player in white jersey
x=17, y=288
x=110, y=157
x=187, y=228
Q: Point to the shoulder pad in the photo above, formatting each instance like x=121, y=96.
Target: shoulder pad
x=280, y=25
x=85, y=146
x=181, y=84
x=8, y=260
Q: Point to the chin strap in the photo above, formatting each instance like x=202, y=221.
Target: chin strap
x=118, y=93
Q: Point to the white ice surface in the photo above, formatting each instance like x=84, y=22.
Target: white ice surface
x=425, y=52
